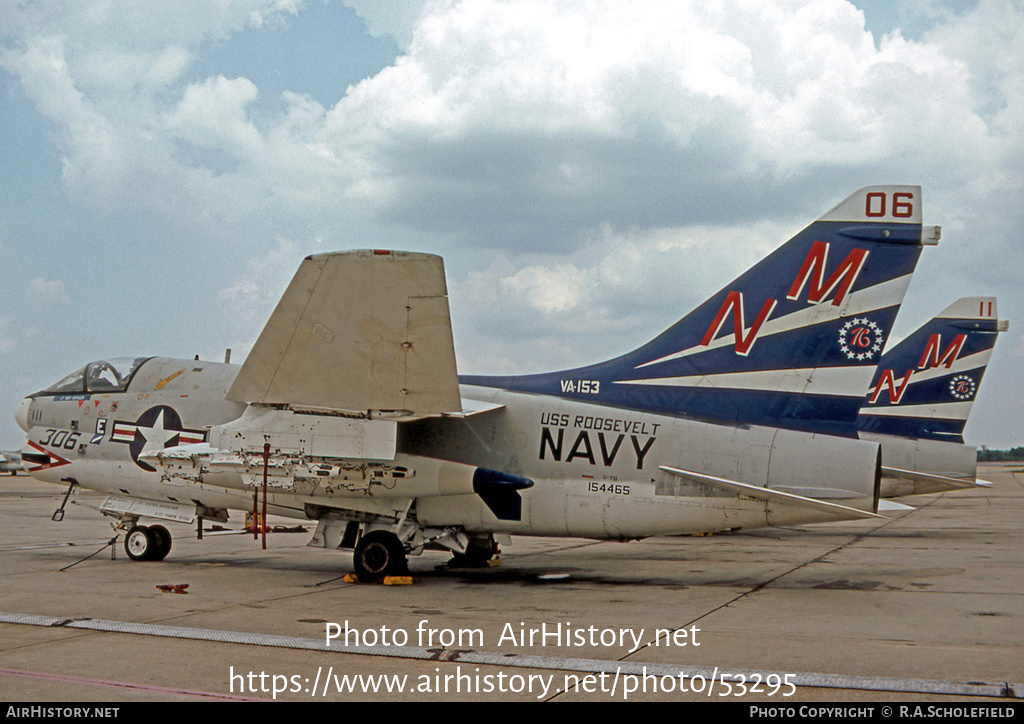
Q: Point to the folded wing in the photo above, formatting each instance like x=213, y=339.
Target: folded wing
x=360, y=331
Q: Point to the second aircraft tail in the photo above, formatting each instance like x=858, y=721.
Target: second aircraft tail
x=925, y=386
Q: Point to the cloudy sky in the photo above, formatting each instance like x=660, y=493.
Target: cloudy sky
x=589, y=170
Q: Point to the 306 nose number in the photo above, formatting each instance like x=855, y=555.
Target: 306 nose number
x=61, y=438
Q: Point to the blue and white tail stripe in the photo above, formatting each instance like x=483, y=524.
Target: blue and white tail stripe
x=926, y=385
x=792, y=343
x=862, y=302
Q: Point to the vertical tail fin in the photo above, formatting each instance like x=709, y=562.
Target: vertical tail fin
x=925, y=386
x=792, y=343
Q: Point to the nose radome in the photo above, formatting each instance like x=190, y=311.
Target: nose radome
x=21, y=414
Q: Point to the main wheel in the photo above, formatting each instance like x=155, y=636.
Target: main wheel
x=477, y=554
x=161, y=542
x=379, y=554
x=139, y=544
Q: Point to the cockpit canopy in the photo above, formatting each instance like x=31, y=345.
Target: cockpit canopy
x=112, y=375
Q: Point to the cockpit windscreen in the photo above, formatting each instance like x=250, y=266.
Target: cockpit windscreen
x=112, y=375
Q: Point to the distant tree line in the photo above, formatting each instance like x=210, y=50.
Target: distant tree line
x=997, y=456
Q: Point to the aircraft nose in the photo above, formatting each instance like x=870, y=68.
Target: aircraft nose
x=21, y=414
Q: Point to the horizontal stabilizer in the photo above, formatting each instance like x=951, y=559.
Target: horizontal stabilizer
x=891, y=506
x=936, y=483
x=360, y=331
x=471, y=408
x=771, y=496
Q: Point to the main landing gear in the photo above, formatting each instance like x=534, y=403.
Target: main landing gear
x=381, y=545
x=478, y=554
x=379, y=554
x=151, y=543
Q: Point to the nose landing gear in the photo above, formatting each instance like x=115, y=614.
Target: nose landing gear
x=151, y=543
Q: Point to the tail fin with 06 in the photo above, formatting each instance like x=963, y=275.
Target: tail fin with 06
x=792, y=343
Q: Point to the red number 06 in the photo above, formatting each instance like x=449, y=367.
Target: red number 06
x=876, y=204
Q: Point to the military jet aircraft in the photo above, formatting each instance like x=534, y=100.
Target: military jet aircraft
x=349, y=411
x=10, y=462
x=922, y=394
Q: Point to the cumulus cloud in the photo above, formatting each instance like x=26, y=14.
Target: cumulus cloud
x=521, y=124
x=529, y=313
x=213, y=113
x=528, y=125
x=989, y=42
x=114, y=79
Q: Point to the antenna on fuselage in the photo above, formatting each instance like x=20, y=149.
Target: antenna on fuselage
x=227, y=356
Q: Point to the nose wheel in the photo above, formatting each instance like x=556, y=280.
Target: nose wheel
x=144, y=543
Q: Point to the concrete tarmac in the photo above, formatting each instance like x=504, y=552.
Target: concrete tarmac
x=925, y=606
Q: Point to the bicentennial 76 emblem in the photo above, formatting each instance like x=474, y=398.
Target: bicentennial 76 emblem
x=860, y=339
x=962, y=387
